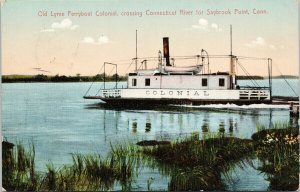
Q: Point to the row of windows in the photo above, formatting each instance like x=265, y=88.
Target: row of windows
x=204, y=82
x=221, y=82
x=147, y=82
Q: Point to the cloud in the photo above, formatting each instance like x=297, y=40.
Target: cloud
x=261, y=42
x=64, y=24
x=258, y=42
x=216, y=27
x=203, y=25
x=103, y=39
x=74, y=27
x=203, y=22
x=88, y=40
x=47, y=30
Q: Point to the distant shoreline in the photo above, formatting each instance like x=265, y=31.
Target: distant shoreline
x=97, y=78
x=58, y=79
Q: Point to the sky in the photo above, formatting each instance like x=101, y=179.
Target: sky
x=50, y=37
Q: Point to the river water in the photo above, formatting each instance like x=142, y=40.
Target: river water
x=59, y=121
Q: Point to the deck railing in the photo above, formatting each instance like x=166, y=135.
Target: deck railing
x=111, y=93
x=254, y=94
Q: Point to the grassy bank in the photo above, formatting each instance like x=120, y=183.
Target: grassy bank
x=195, y=164
x=278, y=150
x=191, y=163
x=86, y=173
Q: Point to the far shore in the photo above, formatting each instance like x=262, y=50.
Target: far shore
x=59, y=79
x=98, y=78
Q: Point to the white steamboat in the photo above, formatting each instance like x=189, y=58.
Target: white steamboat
x=168, y=84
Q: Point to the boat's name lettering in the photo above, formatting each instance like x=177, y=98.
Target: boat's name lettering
x=177, y=93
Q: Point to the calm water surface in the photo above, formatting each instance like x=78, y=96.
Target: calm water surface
x=60, y=122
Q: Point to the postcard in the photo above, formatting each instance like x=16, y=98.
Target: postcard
x=138, y=95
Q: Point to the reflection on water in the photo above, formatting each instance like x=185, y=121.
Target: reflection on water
x=221, y=126
x=230, y=125
x=205, y=126
x=148, y=126
x=134, y=126
x=171, y=123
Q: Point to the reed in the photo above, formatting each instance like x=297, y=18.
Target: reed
x=19, y=169
x=191, y=163
x=86, y=173
x=195, y=164
x=278, y=150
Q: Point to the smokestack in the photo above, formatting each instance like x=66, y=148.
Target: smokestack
x=166, y=50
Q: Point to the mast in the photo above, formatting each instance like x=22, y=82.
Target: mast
x=230, y=40
x=232, y=66
x=135, y=50
x=270, y=76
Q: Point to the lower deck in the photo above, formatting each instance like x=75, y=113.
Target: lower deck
x=182, y=96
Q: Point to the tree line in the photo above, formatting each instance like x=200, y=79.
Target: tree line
x=60, y=78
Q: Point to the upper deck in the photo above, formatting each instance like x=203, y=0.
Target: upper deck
x=179, y=81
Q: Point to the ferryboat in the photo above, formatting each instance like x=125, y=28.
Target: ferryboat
x=183, y=85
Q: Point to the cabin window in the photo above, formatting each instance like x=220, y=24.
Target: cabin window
x=204, y=82
x=221, y=82
x=133, y=82
x=147, y=82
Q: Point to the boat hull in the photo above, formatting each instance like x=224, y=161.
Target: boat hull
x=148, y=97
x=141, y=102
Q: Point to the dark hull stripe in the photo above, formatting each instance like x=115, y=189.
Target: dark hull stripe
x=137, y=101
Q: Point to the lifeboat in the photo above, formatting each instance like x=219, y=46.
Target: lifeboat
x=194, y=69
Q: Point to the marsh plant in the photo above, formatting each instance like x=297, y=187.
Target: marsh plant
x=86, y=173
x=192, y=164
x=278, y=150
x=195, y=164
x=18, y=169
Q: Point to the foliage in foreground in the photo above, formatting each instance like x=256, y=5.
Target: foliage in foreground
x=195, y=164
x=191, y=163
x=278, y=150
x=19, y=169
x=87, y=172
